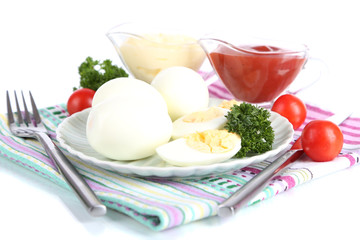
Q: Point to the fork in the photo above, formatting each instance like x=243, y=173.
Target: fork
x=31, y=126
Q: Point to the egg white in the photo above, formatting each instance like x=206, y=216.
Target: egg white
x=129, y=88
x=127, y=129
x=183, y=89
x=182, y=128
x=178, y=153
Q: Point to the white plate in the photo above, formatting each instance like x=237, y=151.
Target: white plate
x=71, y=135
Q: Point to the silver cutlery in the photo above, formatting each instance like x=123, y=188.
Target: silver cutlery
x=30, y=126
x=248, y=191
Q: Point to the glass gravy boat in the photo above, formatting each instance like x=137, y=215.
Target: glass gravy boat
x=145, y=49
x=255, y=70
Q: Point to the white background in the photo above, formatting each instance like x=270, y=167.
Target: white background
x=43, y=42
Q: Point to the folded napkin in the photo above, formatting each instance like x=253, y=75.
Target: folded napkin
x=165, y=203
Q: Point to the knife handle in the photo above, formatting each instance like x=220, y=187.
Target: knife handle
x=297, y=144
x=242, y=196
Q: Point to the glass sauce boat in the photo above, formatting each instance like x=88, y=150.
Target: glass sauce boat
x=255, y=70
x=146, y=49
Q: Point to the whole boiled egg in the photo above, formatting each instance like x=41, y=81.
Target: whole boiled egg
x=127, y=128
x=128, y=88
x=210, y=118
x=201, y=148
x=128, y=120
x=183, y=89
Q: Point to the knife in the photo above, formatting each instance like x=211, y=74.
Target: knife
x=242, y=196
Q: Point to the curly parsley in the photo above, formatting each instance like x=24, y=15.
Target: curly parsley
x=253, y=125
x=94, y=73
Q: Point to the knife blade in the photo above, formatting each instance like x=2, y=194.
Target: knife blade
x=242, y=196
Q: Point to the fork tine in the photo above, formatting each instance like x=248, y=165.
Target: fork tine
x=35, y=110
x=19, y=114
x=9, y=110
x=27, y=114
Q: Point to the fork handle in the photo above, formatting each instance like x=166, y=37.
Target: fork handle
x=72, y=176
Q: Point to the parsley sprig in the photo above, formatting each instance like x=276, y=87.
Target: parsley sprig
x=254, y=127
x=94, y=73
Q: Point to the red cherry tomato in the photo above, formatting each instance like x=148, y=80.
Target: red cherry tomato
x=80, y=100
x=292, y=108
x=322, y=140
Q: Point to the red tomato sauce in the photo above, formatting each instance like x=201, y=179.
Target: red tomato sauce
x=257, y=74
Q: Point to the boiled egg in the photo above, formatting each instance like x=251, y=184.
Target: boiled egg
x=183, y=89
x=129, y=88
x=210, y=118
x=201, y=148
x=127, y=128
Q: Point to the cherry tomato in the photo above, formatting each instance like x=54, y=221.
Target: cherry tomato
x=292, y=108
x=322, y=140
x=80, y=100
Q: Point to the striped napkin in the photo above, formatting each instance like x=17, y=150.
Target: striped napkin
x=165, y=203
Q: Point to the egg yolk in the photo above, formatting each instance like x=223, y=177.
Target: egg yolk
x=212, y=141
x=203, y=116
x=228, y=103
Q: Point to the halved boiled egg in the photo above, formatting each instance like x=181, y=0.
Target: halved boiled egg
x=228, y=104
x=201, y=148
x=211, y=118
